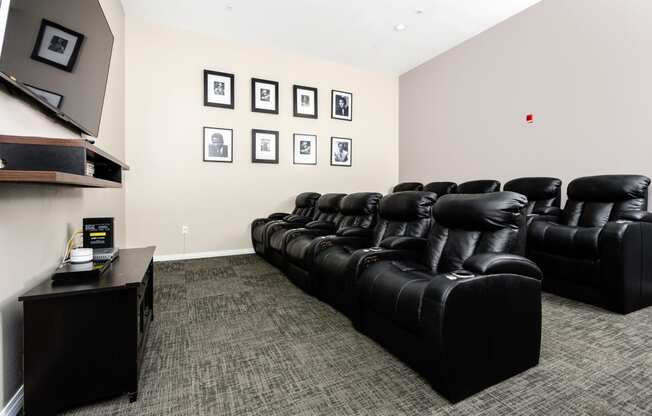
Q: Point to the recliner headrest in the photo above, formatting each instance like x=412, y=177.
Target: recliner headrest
x=360, y=203
x=408, y=186
x=480, y=212
x=607, y=188
x=479, y=187
x=407, y=205
x=330, y=202
x=441, y=188
x=306, y=199
x=535, y=189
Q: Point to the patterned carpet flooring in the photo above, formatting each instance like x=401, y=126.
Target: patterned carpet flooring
x=232, y=336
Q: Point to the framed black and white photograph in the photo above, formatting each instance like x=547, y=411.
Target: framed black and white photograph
x=341, y=151
x=52, y=98
x=264, y=96
x=305, y=102
x=218, y=145
x=305, y=149
x=264, y=146
x=219, y=89
x=341, y=105
x=57, y=46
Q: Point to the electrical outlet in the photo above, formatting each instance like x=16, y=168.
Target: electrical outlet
x=185, y=229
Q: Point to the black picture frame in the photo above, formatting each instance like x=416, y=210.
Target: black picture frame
x=295, y=90
x=255, y=109
x=73, y=56
x=350, y=155
x=294, y=149
x=254, y=132
x=207, y=103
x=333, y=105
x=204, y=145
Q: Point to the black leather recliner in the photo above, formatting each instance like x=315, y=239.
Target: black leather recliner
x=461, y=334
x=324, y=217
x=441, y=188
x=400, y=216
x=357, y=210
x=408, y=186
x=597, y=250
x=478, y=187
x=543, y=195
x=304, y=206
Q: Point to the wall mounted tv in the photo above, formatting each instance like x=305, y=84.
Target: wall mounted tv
x=58, y=53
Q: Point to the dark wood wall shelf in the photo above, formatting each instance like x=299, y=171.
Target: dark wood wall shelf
x=57, y=161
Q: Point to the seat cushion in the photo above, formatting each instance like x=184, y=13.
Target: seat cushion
x=563, y=240
x=297, y=249
x=395, y=291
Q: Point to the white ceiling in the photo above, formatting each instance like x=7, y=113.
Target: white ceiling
x=355, y=32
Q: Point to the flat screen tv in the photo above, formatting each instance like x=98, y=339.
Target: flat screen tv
x=58, y=53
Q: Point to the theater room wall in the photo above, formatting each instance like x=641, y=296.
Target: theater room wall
x=580, y=67
x=172, y=186
x=37, y=220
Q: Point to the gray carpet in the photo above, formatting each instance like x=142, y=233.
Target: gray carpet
x=233, y=336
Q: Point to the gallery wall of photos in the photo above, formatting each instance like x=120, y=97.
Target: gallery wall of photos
x=219, y=91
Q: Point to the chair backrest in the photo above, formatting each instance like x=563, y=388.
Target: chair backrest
x=595, y=200
x=358, y=210
x=479, y=187
x=408, y=186
x=540, y=192
x=470, y=224
x=304, y=204
x=441, y=188
x=328, y=207
x=404, y=214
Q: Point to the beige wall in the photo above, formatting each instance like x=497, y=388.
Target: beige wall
x=582, y=67
x=171, y=186
x=36, y=220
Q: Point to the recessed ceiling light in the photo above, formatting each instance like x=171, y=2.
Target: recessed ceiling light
x=400, y=27
x=418, y=11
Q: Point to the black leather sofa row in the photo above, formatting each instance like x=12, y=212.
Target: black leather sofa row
x=593, y=250
x=444, y=188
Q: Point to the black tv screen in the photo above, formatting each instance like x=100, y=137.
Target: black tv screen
x=58, y=52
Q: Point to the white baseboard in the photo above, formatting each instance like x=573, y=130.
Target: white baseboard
x=15, y=404
x=206, y=254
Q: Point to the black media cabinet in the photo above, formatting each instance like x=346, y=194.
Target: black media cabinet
x=86, y=342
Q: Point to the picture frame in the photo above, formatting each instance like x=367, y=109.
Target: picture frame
x=219, y=89
x=341, y=105
x=341, y=151
x=305, y=101
x=50, y=97
x=264, y=146
x=264, y=96
x=57, y=45
x=218, y=144
x=305, y=149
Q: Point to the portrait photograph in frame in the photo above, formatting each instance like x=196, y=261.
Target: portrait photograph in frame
x=57, y=46
x=218, y=144
x=305, y=101
x=219, y=89
x=305, y=149
x=341, y=151
x=264, y=96
x=264, y=146
x=341, y=105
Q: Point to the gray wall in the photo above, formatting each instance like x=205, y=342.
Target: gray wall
x=582, y=67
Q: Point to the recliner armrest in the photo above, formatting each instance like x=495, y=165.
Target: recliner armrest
x=363, y=258
x=297, y=219
x=355, y=232
x=278, y=216
x=320, y=225
x=641, y=216
x=404, y=243
x=494, y=263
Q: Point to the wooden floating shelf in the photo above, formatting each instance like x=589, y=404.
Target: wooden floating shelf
x=57, y=162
